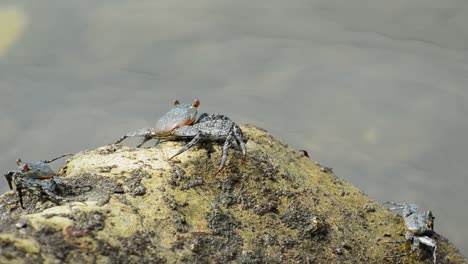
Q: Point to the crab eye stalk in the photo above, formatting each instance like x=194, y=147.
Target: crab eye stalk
x=19, y=162
x=429, y=213
x=176, y=102
x=430, y=225
x=25, y=167
x=196, y=103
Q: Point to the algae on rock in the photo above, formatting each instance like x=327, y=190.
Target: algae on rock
x=275, y=206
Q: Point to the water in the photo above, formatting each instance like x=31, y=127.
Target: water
x=378, y=92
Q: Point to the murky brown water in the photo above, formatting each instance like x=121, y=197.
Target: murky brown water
x=377, y=92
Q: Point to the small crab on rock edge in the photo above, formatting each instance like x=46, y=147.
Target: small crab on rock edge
x=39, y=175
x=419, y=227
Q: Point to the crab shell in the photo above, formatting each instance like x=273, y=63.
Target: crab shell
x=180, y=115
x=36, y=170
x=420, y=224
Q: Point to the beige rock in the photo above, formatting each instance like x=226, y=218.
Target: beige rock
x=275, y=206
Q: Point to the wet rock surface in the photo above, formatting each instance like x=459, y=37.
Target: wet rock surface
x=276, y=206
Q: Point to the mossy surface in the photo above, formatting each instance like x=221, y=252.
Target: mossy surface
x=275, y=206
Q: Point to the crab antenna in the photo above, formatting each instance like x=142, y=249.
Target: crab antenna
x=176, y=102
x=196, y=103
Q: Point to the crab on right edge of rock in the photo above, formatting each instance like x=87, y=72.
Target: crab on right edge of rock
x=179, y=124
x=419, y=227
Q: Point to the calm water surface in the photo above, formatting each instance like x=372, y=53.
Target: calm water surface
x=378, y=92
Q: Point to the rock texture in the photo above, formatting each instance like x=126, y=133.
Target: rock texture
x=275, y=206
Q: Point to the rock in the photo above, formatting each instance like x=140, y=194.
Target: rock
x=276, y=206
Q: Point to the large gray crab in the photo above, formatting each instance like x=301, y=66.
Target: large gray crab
x=419, y=227
x=39, y=175
x=179, y=124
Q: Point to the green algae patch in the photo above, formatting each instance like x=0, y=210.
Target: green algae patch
x=274, y=206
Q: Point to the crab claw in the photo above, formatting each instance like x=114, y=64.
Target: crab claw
x=180, y=115
x=24, y=167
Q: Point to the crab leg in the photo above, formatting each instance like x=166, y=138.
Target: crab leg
x=145, y=132
x=407, y=208
x=397, y=206
x=144, y=140
x=9, y=177
x=431, y=243
x=52, y=160
x=189, y=145
x=415, y=245
x=226, y=145
x=19, y=190
x=81, y=188
x=240, y=140
x=53, y=197
x=400, y=206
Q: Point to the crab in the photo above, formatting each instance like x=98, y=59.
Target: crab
x=180, y=123
x=39, y=175
x=419, y=227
